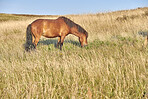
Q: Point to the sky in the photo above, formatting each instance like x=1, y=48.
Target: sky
x=64, y=7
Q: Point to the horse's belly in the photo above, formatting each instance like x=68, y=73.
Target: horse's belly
x=51, y=34
x=51, y=31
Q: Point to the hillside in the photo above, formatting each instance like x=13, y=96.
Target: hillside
x=113, y=65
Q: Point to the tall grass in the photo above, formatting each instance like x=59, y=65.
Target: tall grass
x=113, y=65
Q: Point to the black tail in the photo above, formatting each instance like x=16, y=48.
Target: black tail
x=29, y=45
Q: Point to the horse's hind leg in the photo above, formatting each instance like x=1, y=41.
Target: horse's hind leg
x=146, y=40
x=33, y=40
x=36, y=40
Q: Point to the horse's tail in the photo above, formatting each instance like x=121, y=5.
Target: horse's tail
x=29, y=45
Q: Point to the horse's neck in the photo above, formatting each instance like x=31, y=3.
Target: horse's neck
x=76, y=34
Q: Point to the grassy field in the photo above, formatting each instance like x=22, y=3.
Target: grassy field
x=113, y=65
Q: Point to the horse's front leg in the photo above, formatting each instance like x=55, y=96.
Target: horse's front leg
x=62, y=40
x=59, y=42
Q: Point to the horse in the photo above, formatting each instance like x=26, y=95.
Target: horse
x=51, y=28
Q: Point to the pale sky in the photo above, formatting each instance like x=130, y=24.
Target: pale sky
x=62, y=7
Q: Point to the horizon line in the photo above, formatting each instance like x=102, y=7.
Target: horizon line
x=29, y=14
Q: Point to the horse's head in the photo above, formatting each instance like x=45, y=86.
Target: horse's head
x=77, y=30
x=83, y=39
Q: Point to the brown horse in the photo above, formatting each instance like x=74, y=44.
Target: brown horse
x=59, y=27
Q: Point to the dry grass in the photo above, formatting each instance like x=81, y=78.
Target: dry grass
x=114, y=65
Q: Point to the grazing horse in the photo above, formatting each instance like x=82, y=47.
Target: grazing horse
x=51, y=28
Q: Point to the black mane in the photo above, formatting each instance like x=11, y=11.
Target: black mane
x=71, y=24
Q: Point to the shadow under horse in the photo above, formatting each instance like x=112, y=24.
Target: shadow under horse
x=51, y=28
x=54, y=42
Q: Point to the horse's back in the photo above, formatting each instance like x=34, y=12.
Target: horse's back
x=37, y=23
x=48, y=27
